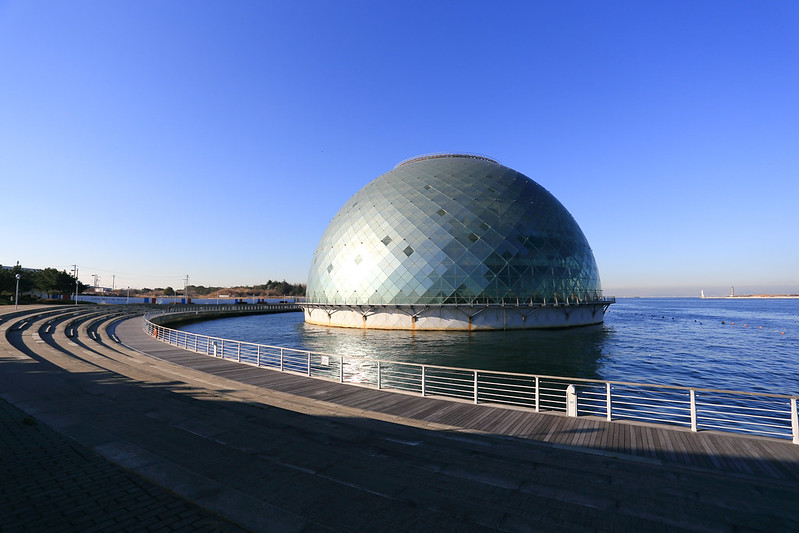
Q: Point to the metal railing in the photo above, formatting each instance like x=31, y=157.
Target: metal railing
x=770, y=415
x=555, y=300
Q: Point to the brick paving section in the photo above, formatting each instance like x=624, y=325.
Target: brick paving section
x=48, y=482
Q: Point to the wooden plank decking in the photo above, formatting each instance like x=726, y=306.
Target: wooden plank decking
x=753, y=456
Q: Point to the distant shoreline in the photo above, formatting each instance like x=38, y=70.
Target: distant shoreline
x=753, y=297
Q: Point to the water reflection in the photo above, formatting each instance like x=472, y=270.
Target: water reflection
x=575, y=352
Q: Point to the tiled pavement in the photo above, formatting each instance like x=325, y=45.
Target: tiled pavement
x=48, y=482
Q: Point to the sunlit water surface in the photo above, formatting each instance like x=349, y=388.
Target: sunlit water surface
x=750, y=345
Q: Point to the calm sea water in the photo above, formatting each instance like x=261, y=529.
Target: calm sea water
x=750, y=345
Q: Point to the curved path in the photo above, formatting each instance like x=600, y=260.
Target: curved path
x=103, y=434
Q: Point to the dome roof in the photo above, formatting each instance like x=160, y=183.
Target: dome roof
x=452, y=229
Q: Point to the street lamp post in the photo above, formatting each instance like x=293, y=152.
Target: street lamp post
x=16, y=294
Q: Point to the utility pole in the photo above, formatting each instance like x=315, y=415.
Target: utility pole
x=113, y=281
x=186, y=289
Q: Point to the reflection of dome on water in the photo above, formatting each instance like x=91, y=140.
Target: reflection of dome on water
x=453, y=242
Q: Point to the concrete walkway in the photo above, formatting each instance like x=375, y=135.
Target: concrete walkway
x=106, y=437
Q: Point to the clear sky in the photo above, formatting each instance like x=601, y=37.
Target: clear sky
x=147, y=141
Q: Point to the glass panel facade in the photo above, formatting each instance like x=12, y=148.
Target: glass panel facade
x=452, y=230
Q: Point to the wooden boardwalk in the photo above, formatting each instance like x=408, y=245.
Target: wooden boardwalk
x=766, y=457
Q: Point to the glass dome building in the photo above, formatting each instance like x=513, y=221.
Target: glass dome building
x=453, y=241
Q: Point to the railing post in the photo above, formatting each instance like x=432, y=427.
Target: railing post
x=196, y=337
x=238, y=352
x=571, y=401
x=794, y=422
x=222, y=355
x=423, y=391
x=341, y=369
x=281, y=359
x=537, y=396
x=693, y=410
x=309, y=364
x=475, y=387
x=258, y=356
x=379, y=376
x=607, y=400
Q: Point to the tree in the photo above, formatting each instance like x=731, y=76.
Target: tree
x=6, y=280
x=46, y=280
x=52, y=281
x=169, y=291
x=65, y=284
x=25, y=278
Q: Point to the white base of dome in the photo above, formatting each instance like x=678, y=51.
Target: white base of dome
x=463, y=318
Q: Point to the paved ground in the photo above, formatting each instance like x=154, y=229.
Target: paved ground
x=143, y=444
x=48, y=482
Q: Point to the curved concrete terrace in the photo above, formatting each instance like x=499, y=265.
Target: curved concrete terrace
x=154, y=437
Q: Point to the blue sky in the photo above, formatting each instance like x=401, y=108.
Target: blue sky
x=147, y=141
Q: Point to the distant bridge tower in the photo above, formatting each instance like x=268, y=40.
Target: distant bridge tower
x=732, y=292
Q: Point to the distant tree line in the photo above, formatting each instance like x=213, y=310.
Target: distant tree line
x=281, y=288
x=51, y=282
x=269, y=289
x=48, y=281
